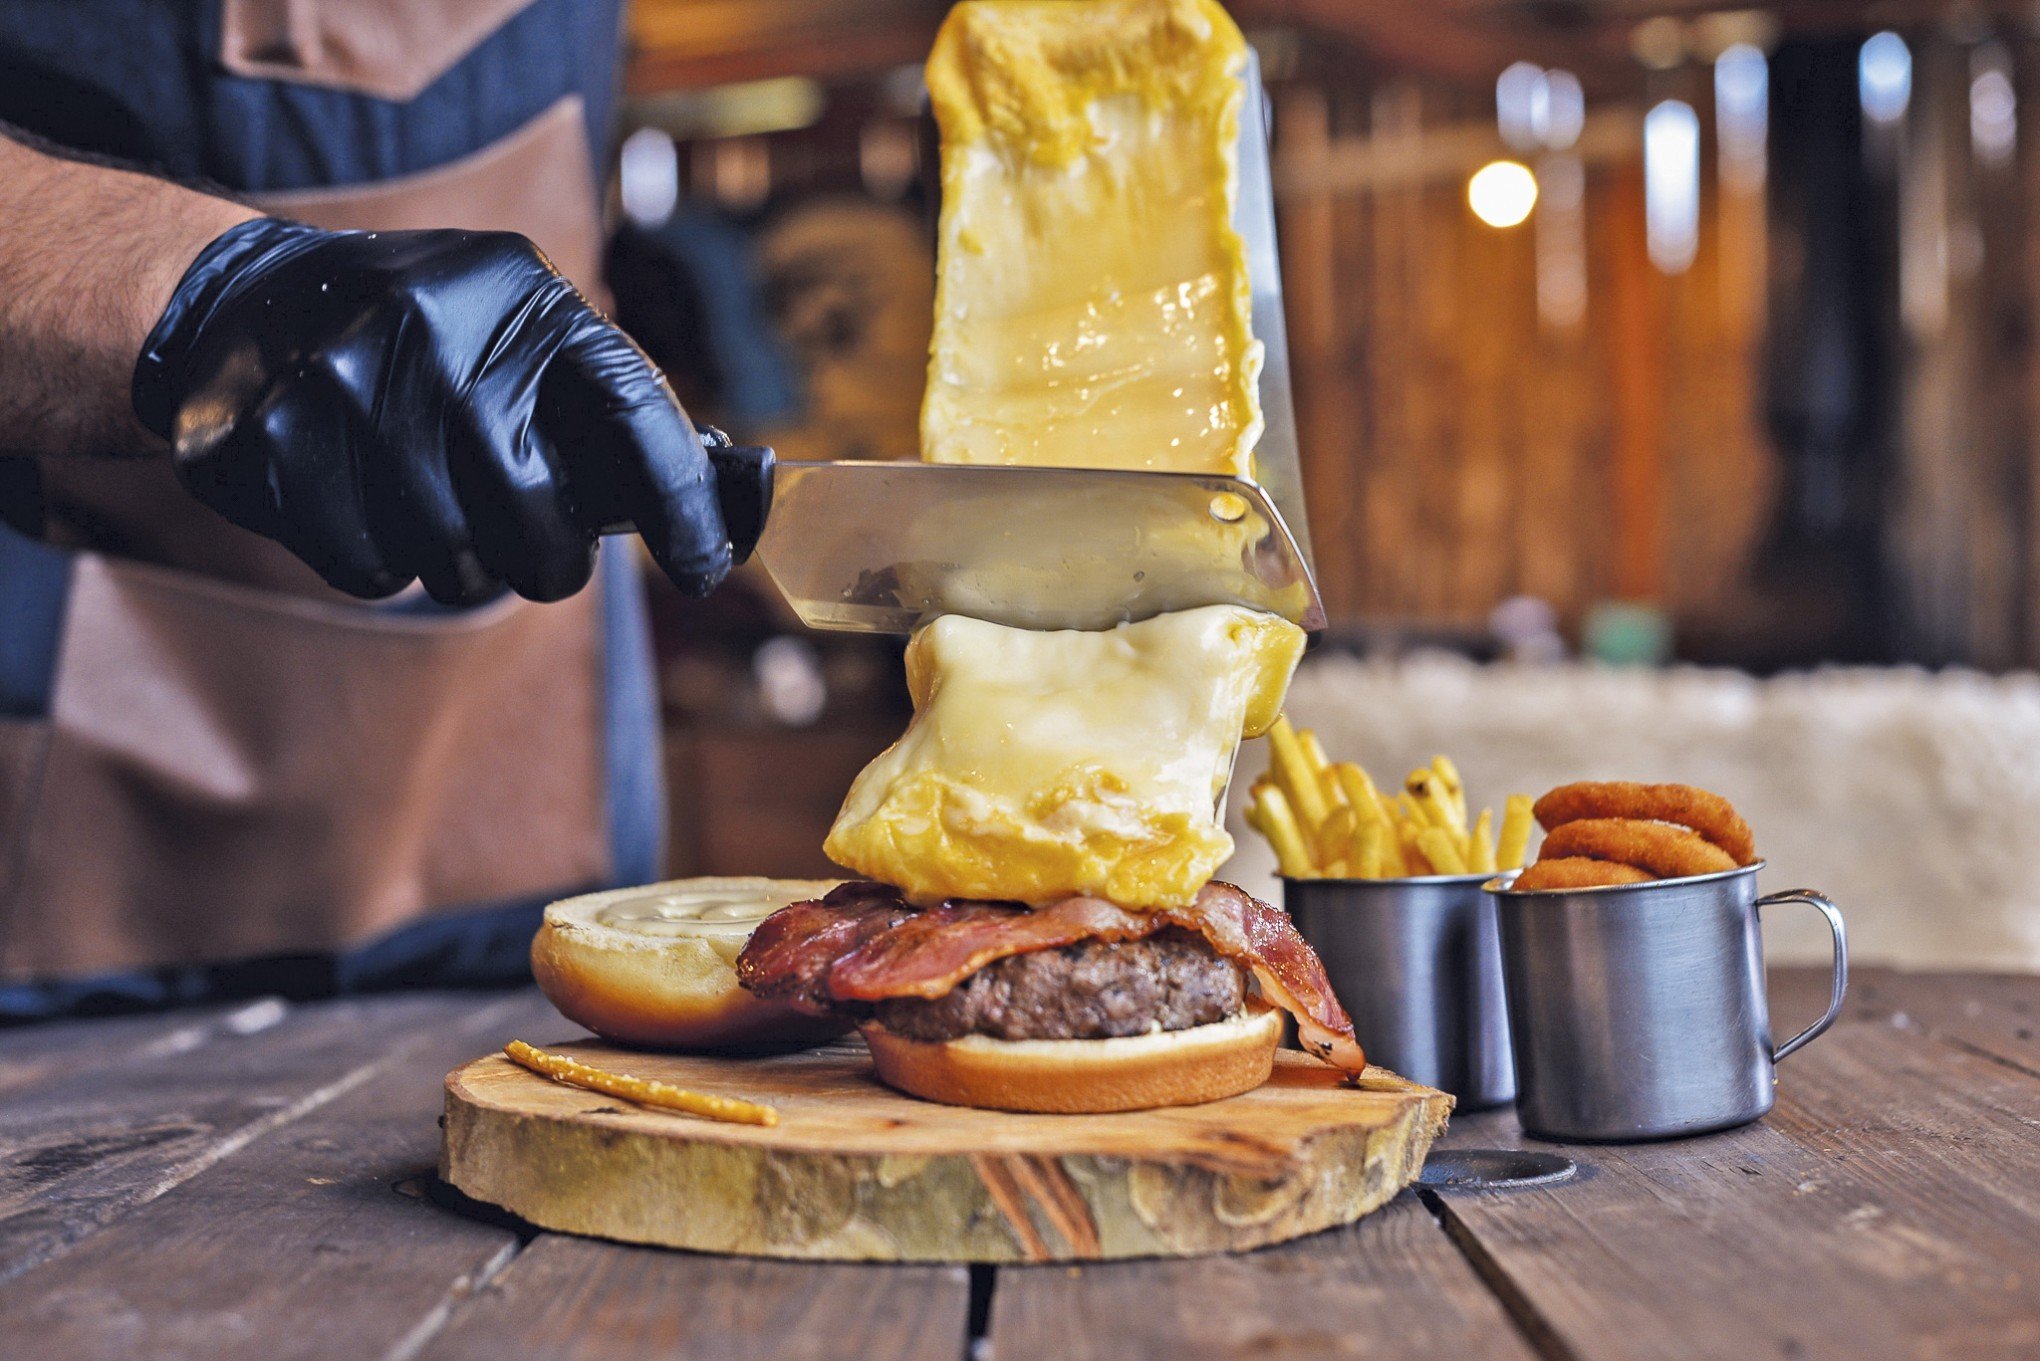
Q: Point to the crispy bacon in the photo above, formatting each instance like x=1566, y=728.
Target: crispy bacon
x=1251, y=933
x=929, y=953
x=863, y=943
x=789, y=954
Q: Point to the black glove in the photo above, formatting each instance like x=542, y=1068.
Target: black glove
x=436, y=405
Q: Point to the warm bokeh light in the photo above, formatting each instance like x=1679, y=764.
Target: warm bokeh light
x=1502, y=193
x=1671, y=184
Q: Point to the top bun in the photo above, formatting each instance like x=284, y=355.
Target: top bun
x=655, y=965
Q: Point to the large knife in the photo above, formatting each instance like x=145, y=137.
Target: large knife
x=883, y=547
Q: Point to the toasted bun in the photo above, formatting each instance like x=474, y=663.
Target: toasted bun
x=1067, y=1077
x=648, y=985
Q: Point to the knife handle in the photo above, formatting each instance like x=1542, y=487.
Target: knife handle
x=743, y=487
x=743, y=484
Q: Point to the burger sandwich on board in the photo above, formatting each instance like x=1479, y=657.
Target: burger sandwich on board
x=1037, y=927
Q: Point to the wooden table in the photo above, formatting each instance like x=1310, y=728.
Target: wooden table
x=254, y=1181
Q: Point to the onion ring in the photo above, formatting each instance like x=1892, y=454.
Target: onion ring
x=1577, y=871
x=1710, y=815
x=1668, y=852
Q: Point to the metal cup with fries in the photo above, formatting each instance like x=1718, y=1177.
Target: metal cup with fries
x=1388, y=892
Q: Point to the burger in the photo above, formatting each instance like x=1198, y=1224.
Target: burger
x=1037, y=928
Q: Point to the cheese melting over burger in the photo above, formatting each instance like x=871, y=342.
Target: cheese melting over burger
x=1092, y=303
x=1040, y=765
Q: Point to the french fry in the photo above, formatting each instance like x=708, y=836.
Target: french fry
x=644, y=1091
x=1359, y=791
x=1413, y=857
x=1335, y=835
x=1368, y=840
x=1482, y=859
x=1441, y=850
x=1455, y=789
x=1328, y=817
x=1314, y=752
x=1394, y=864
x=1514, y=846
x=1426, y=792
x=1275, y=819
x=1299, y=781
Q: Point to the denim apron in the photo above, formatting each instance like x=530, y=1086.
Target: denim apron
x=218, y=777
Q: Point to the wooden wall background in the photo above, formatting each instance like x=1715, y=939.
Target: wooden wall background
x=1460, y=449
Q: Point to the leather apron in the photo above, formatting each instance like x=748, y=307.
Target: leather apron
x=229, y=765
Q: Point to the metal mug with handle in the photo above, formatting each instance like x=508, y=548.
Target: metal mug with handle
x=1638, y=1011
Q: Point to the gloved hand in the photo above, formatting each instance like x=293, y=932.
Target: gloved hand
x=438, y=405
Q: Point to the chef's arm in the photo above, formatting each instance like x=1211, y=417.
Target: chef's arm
x=437, y=406
x=89, y=257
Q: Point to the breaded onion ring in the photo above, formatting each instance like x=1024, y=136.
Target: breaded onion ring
x=1668, y=852
x=1577, y=871
x=1712, y=816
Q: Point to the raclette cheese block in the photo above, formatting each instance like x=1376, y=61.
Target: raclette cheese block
x=1044, y=764
x=1092, y=302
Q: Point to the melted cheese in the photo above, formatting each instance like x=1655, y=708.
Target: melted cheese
x=1043, y=764
x=1092, y=302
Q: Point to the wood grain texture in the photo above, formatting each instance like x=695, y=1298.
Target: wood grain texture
x=34, y=1054
x=856, y=1171
x=1996, y=1015
x=1889, y=1207
x=1342, y=1293
x=574, y=1298
x=91, y=1141
x=313, y=1240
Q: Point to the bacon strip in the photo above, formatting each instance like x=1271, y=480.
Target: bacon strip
x=789, y=954
x=1251, y=933
x=931, y=952
x=862, y=944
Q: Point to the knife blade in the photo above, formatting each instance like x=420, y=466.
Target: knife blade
x=883, y=547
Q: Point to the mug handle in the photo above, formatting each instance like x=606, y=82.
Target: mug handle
x=1839, y=987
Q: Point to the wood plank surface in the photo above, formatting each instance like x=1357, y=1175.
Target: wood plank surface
x=85, y=1144
x=246, y=1182
x=314, y=1239
x=33, y=1054
x=1873, y=1214
x=1997, y=1015
x=580, y=1298
x=1389, y=1285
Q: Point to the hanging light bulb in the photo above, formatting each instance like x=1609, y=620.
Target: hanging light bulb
x=1502, y=193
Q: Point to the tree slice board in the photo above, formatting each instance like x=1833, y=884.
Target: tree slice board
x=855, y=1171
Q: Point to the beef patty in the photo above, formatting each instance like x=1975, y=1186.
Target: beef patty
x=1089, y=991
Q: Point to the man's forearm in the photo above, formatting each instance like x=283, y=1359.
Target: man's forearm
x=88, y=259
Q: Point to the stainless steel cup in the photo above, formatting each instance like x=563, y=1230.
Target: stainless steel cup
x=1418, y=967
x=1638, y=1010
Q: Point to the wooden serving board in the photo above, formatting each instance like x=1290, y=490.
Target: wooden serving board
x=856, y=1171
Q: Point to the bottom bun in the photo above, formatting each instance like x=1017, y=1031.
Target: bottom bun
x=1081, y=1077
x=644, y=981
